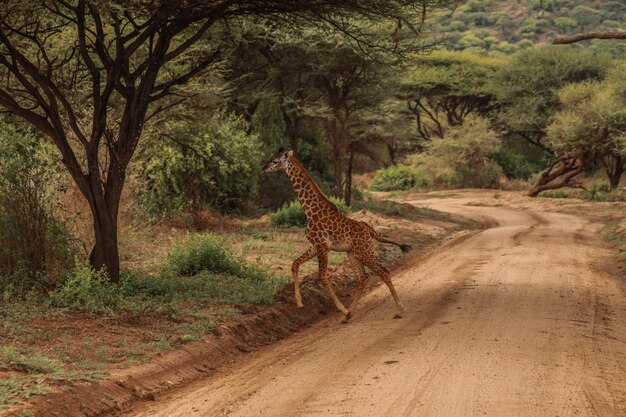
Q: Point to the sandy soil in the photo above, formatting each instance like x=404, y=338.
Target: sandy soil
x=525, y=318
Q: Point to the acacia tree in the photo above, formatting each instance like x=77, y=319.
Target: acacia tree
x=526, y=88
x=443, y=88
x=89, y=74
x=591, y=126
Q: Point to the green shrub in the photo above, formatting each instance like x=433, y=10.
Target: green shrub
x=515, y=165
x=398, y=177
x=203, y=252
x=462, y=158
x=86, y=289
x=197, y=165
x=482, y=174
x=292, y=214
x=601, y=192
x=34, y=241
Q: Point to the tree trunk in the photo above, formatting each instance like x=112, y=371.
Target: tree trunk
x=292, y=127
x=614, y=168
x=561, y=172
x=105, y=252
x=348, y=189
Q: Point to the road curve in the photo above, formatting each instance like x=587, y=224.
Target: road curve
x=517, y=320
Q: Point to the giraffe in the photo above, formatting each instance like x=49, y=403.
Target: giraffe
x=329, y=230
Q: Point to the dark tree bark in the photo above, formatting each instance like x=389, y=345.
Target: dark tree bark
x=614, y=166
x=348, y=189
x=562, y=171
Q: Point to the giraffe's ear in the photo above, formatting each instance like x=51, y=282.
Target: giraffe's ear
x=290, y=153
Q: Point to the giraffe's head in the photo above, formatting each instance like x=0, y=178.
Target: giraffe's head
x=278, y=162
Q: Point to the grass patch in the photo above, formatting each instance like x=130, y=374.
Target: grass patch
x=12, y=360
x=556, y=194
x=596, y=192
x=16, y=387
x=398, y=177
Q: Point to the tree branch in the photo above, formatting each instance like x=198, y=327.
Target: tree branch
x=609, y=34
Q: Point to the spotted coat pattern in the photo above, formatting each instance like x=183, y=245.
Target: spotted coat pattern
x=329, y=230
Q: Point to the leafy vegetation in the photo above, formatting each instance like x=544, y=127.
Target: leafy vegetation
x=34, y=240
x=214, y=164
x=507, y=27
x=398, y=177
x=292, y=214
x=462, y=158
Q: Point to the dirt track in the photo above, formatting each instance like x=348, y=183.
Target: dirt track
x=521, y=319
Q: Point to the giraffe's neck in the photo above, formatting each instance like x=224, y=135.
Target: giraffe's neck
x=309, y=194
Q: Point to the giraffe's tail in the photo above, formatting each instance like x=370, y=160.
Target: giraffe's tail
x=403, y=246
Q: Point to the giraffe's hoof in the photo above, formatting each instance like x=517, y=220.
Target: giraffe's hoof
x=299, y=304
x=346, y=318
x=397, y=316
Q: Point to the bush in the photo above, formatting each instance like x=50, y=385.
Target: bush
x=197, y=165
x=292, y=214
x=398, y=177
x=462, y=158
x=34, y=242
x=515, y=165
x=204, y=265
x=86, y=289
x=203, y=252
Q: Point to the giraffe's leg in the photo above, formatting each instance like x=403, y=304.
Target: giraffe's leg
x=322, y=257
x=361, y=278
x=370, y=261
x=295, y=268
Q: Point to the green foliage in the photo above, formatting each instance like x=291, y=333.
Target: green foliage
x=530, y=22
x=33, y=240
x=15, y=387
x=398, y=177
x=565, y=24
x=203, y=252
x=86, y=289
x=526, y=88
x=165, y=291
x=593, y=116
x=515, y=165
x=204, y=263
x=200, y=269
x=11, y=359
x=555, y=194
x=444, y=87
x=212, y=164
x=292, y=214
x=463, y=157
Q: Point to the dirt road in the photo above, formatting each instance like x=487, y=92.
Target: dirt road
x=521, y=319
